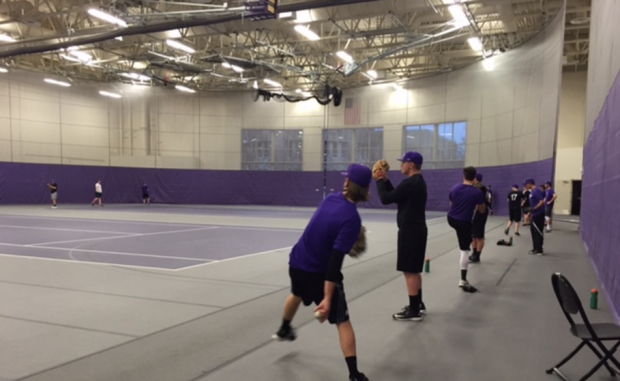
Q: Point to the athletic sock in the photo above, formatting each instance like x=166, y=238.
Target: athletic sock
x=414, y=303
x=286, y=324
x=352, y=365
x=464, y=275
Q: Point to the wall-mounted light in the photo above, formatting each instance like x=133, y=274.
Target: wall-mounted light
x=101, y=15
x=58, y=83
x=183, y=88
x=111, y=95
x=180, y=46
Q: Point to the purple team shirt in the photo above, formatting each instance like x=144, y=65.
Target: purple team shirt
x=464, y=199
x=535, y=197
x=549, y=195
x=335, y=225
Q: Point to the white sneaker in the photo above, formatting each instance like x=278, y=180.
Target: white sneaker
x=54, y=207
x=463, y=283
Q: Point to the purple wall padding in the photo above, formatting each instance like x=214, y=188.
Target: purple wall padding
x=25, y=184
x=600, y=210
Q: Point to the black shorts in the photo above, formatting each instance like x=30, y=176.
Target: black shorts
x=478, y=225
x=411, y=249
x=548, y=210
x=463, y=232
x=515, y=214
x=98, y=195
x=526, y=209
x=145, y=196
x=310, y=287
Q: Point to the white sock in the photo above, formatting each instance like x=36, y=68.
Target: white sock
x=464, y=259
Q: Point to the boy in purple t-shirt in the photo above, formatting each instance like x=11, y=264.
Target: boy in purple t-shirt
x=465, y=200
x=316, y=262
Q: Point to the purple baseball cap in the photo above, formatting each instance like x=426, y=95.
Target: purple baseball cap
x=529, y=181
x=548, y=183
x=515, y=186
x=359, y=174
x=412, y=157
x=479, y=176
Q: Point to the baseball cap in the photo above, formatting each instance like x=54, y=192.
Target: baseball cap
x=548, y=183
x=359, y=174
x=515, y=186
x=529, y=181
x=412, y=157
x=479, y=176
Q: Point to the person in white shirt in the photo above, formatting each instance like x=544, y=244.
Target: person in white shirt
x=98, y=194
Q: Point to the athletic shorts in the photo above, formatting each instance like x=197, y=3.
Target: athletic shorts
x=98, y=195
x=411, y=249
x=526, y=209
x=463, y=232
x=310, y=287
x=145, y=196
x=54, y=195
x=548, y=210
x=515, y=214
x=478, y=225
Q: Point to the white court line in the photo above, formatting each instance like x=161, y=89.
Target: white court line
x=108, y=252
x=107, y=221
x=77, y=261
x=294, y=230
x=233, y=258
x=129, y=235
x=61, y=229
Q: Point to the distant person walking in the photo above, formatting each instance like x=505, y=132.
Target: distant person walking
x=515, y=200
x=146, y=199
x=98, y=194
x=550, y=197
x=53, y=187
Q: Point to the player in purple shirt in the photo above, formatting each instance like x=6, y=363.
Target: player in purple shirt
x=550, y=197
x=316, y=262
x=537, y=209
x=146, y=199
x=465, y=200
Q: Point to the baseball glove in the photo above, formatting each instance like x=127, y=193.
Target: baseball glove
x=380, y=169
x=359, y=247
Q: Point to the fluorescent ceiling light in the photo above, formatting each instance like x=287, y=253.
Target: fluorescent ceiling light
x=372, y=73
x=286, y=15
x=5, y=38
x=136, y=76
x=298, y=91
x=307, y=33
x=69, y=58
x=236, y=68
x=255, y=85
x=303, y=16
x=345, y=56
x=111, y=95
x=460, y=19
x=183, y=88
x=272, y=82
x=3, y=70
x=475, y=43
x=179, y=46
x=488, y=65
x=84, y=57
x=55, y=82
x=101, y=15
x=120, y=38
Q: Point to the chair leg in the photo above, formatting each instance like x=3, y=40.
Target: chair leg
x=610, y=355
x=603, y=361
x=570, y=356
x=600, y=357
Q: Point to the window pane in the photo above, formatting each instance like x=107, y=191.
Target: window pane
x=443, y=145
x=338, y=148
x=270, y=150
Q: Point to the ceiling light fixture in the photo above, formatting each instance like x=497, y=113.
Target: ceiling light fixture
x=271, y=82
x=101, y=15
x=5, y=38
x=180, y=46
x=372, y=73
x=111, y=95
x=58, y=83
x=298, y=91
x=475, y=43
x=3, y=70
x=236, y=68
x=488, y=64
x=183, y=88
x=460, y=19
x=345, y=56
x=306, y=32
x=136, y=76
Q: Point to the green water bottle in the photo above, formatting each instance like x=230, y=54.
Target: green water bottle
x=427, y=265
x=510, y=243
x=594, y=299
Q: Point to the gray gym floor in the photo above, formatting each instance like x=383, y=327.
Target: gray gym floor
x=83, y=314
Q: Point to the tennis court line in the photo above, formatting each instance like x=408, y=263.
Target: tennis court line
x=128, y=235
x=233, y=258
x=62, y=229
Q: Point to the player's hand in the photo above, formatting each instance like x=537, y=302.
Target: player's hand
x=323, y=309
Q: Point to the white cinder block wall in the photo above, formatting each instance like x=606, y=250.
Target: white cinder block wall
x=511, y=114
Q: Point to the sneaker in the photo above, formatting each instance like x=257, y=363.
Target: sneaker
x=422, y=308
x=540, y=253
x=92, y=204
x=474, y=259
x=408, y=315
x=463, y=283
x=517, y=234
x=284, y=334
x=507, y=231
x=54, y=207
x=359, y=377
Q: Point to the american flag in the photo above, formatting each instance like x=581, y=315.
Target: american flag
x=352, y=111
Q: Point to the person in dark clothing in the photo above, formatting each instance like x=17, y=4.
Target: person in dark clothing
x=410, y=197
x=537, y=208
x=515, y=200
x=53, y=187
x=525, y=205
x=479, y=223
x=146, y=199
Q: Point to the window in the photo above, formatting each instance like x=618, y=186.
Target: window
x=272, y=150
x=352, y=145
x=442, y=145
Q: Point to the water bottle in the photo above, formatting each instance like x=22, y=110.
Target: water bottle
x=594, y=299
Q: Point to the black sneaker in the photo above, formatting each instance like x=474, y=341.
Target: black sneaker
x=422, y=308
x=284, y=334
x=408, y=315
x=517, y=233
x=474, y=259
x=507, y=231
x=359, y=377
x=532, y=252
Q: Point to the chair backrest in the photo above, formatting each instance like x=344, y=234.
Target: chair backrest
x=569, y=300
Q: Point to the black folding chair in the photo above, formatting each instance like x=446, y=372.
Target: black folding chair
x=591, y=335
